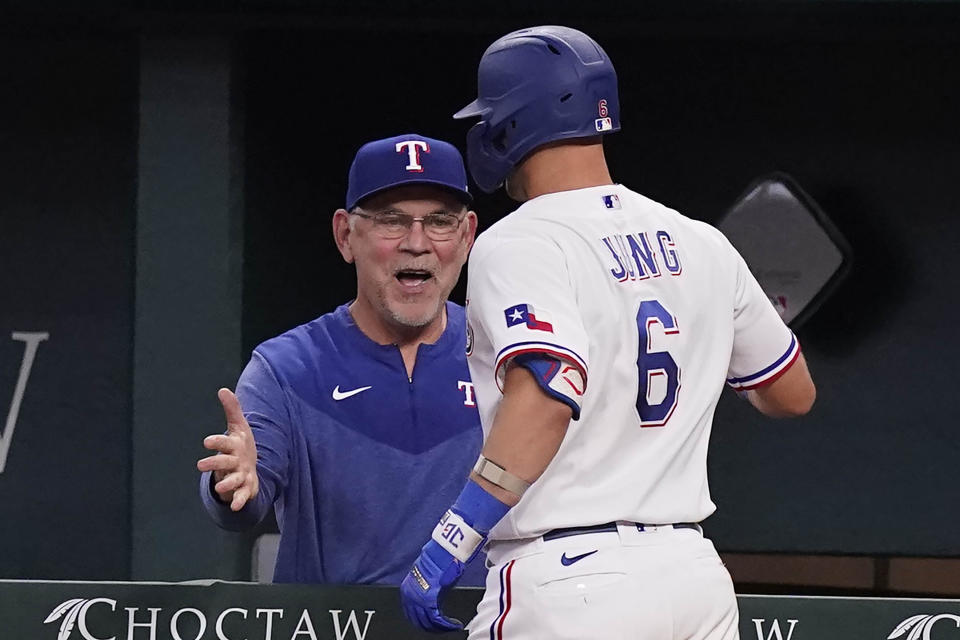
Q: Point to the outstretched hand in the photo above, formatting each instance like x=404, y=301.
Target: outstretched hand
x=235, y=466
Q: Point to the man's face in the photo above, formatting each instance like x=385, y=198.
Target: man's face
x=405, y=280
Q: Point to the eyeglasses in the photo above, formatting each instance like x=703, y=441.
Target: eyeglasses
x=393, y=225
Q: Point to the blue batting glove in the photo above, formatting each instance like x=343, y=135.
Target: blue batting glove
x=435, y=571
x=455, y=541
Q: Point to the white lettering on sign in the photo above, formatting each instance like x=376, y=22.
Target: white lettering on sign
x=32, y=340
x=351, y=624
x=774, y=629
x=191, y=623
x=175, y=630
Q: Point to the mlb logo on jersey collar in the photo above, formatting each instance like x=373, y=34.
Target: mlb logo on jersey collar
x=612, y=201
x=526, y=314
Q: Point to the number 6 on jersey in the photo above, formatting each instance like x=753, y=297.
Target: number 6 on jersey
x=653, y=364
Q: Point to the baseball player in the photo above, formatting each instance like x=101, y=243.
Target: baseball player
x=343, y=423
x=604, y=327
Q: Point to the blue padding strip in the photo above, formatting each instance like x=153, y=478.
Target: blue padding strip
x=478, y=508
x=543, y=368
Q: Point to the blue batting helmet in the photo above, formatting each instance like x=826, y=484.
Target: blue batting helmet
x=536, y=86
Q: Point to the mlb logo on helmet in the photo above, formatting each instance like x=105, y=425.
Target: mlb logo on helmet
x=604, y=124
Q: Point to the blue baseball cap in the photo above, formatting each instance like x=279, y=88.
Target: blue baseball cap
x=407, y=159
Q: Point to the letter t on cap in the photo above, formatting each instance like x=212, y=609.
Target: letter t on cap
x=413, y=153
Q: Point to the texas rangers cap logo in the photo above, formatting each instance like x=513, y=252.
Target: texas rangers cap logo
x=413, y=149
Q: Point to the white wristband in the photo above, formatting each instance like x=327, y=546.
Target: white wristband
x=456, y=536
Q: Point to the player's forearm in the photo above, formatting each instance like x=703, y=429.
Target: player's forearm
x=526, y=433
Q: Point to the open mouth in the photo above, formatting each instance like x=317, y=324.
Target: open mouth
x=413, y=277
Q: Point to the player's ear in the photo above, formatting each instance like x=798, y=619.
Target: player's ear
x=341, y=234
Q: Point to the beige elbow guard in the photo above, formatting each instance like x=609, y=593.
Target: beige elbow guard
x=494, y=473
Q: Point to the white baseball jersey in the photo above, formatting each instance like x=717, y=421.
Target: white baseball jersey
x=650, y=312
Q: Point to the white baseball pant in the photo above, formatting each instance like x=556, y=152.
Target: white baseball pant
x=660, y=583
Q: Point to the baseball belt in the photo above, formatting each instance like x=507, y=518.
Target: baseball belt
x=609, y=527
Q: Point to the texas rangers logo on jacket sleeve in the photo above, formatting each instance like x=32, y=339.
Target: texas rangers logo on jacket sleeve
x=526, y=314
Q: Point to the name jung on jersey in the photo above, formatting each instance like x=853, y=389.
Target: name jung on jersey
x=636, y=257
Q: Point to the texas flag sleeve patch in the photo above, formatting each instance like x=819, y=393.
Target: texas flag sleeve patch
x=525, y=314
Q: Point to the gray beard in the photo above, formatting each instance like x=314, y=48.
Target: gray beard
x=415, y=322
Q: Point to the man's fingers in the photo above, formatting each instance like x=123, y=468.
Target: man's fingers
x=231, y=482
x=221, y=443
x=222, y=462
x=240, y=498
x=236, y=449
x=232, y=410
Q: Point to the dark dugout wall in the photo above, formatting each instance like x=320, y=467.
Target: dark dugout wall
x=67, y=198
x=860, y=110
